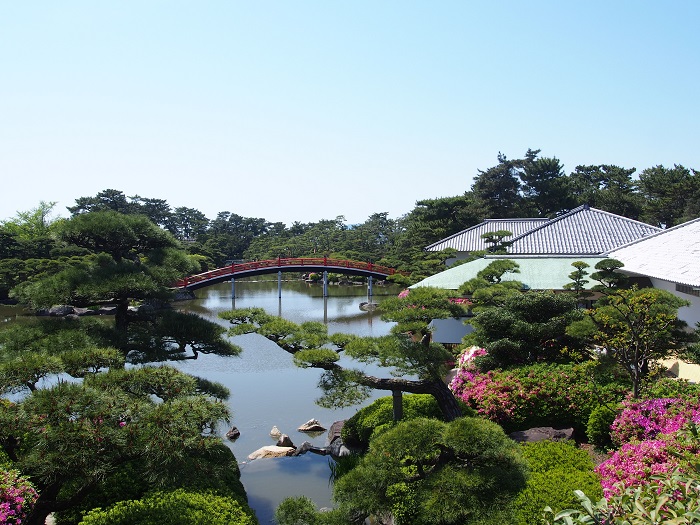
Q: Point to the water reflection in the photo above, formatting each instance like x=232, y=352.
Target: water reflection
x=268, y=390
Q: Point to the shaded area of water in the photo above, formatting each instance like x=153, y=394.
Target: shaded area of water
x=268, y=390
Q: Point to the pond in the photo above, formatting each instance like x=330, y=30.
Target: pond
x=268, y=390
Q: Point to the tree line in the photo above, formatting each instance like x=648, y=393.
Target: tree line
x=531, y=186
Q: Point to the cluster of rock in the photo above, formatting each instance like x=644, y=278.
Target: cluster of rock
x=67, y=310
x=284, y=446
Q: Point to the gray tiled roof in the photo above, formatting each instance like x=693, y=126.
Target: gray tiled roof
x=582, y=231
x=470, y=240
x=672, y=255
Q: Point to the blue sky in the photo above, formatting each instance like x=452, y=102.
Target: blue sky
x=309, y=110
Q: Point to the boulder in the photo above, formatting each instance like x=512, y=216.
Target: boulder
x=61, y=310
x=233, y=433
x=335, y=430
x=107, y=310
x=271, y=451
x=542, y=434
x=312, y=425
x=308, y=447
x=183, y=294
x=275, y=432
x=84, y=311
x=285, y=441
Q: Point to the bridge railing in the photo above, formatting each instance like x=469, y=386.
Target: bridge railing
x=279, y=263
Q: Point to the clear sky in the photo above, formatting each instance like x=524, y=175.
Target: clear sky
x=306, y=110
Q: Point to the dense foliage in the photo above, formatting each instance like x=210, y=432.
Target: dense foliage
x=557, y=469
x=425, y=471
x=528, y=328
x=179, y=507
x=359, y=429
x=539, y=395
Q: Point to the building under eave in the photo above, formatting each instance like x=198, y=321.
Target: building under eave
x=537, y=272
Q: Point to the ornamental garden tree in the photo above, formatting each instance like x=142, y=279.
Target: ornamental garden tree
x=71, y=438
x=126, y=258
x=637, y=327
x=416, y=364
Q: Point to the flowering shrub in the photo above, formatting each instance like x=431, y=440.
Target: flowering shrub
x=466, y=362
x=671, y=495
x=650, y=430
x=673, y=498
x=538, y=395
x=646, y=419
x=17, y=497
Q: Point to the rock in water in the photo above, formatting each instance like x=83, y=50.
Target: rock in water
x=312, y=425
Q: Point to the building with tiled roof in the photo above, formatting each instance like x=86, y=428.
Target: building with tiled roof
x=582, y=231
x=470, y=240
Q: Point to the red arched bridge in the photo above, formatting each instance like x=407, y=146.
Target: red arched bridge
x=295, y=264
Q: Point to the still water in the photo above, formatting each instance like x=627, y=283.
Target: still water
x=268, y=390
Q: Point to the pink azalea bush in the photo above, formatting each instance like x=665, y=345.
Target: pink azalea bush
x=538, y=395
x=653, y=442
x=17, y=497
x=645, y=419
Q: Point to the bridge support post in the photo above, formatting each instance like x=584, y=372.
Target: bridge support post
x=279, y=284
x=325, y=283
x=369, y=286
x=233, y=288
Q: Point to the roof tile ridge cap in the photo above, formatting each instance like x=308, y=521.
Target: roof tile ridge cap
x=543, y=225
x=626, y=219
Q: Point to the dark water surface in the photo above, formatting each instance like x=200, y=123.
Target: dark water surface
x=268, y=390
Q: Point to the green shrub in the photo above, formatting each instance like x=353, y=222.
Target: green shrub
x=178, y=507
x=557, y=470
x=598, y=429
x=297, y=511
x=129, y=483
x=668, y=387
x=358, y=430
x=540, y=395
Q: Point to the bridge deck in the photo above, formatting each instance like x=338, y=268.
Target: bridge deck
x=295, y=264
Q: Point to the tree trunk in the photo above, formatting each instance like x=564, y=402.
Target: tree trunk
x=397, y=399
x=446, y=401
x=121, y=317
x=438, y=389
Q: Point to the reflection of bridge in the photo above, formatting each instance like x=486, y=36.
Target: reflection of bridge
x=279, y=265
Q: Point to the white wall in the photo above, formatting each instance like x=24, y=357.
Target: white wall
x=689, y=314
